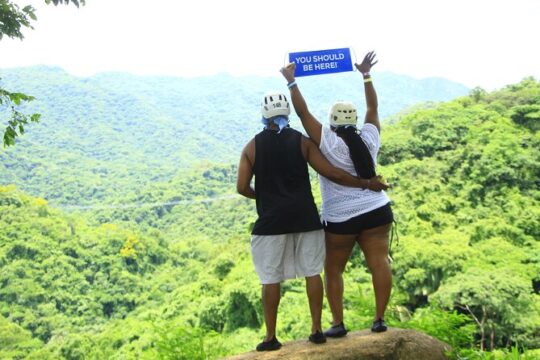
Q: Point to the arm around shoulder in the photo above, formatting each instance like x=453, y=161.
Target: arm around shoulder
x=321, y=165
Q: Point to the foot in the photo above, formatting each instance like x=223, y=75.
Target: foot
x=336, y=331
x=379, y=326
x=317, y=337
x=270, y=345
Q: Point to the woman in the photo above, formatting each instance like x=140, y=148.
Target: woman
x=350, y=215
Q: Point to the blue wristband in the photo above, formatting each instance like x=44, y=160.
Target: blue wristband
x=291, y=85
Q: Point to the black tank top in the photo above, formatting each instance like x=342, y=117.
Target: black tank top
x=283, y=192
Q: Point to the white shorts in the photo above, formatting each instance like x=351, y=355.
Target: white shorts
x=286, y=256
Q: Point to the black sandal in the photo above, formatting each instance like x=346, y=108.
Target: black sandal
x=379, y=326
x=270, y=345
x=336, y=331
x=317, y=337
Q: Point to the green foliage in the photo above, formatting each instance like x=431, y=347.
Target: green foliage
x=162, y=267
x=498, y=300
x=75, y=2
x=181, y=343
x=451, y=327
x=223, y=266
x=15, y=342
x=527, y=115
x=13, y=19
x=17, y=120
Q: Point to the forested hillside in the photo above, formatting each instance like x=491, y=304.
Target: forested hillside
x=166, y=271
x=115, y=133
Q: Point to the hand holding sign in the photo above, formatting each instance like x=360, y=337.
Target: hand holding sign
x=367, y=63
x=288, y=72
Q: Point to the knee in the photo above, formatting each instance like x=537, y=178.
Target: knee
x=333, y=269
x=379, y=264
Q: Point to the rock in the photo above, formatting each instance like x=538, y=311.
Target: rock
x=394, y=344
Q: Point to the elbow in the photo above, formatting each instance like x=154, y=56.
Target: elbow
x=243, y=190
x=301, y=114
x=240, y=189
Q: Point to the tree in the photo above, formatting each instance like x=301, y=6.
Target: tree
x=13, y=20
x=499, y=302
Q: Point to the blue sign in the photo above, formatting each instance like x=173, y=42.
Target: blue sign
x=321, y=61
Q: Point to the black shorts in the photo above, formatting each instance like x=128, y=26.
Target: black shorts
x=378, y=217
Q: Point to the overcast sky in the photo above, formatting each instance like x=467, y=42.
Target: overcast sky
x=488, y=43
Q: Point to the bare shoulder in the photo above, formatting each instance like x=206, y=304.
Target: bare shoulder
x=308, y=142
x=307, y=145
x=250, y=144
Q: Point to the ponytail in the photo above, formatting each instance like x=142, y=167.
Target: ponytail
x=360, y=155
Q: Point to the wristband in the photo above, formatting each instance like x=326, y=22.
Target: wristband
x=369, y=79
x=291, y=84
x=366, y=74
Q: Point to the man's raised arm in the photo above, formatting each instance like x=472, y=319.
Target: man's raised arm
x=309, y=122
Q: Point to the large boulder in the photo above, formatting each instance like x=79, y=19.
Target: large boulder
x=394, y=344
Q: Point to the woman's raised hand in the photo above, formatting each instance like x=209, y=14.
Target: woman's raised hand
x=366, y=64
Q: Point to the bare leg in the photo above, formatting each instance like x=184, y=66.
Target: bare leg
x=270, y=299
x=374, y=244
x=338, y=250
x=314, y=289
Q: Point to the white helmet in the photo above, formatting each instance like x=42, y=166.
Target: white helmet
x=343, y=113
x=274, y=105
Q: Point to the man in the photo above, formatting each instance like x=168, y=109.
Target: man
x=287, y=239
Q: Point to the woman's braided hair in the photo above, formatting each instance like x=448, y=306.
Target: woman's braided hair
x=360, y=155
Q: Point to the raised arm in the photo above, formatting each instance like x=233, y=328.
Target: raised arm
x=245, y=171
x=309, y=122
x=372, y=114
x=321, y=165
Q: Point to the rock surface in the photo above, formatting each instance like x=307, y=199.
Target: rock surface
x=394, y=344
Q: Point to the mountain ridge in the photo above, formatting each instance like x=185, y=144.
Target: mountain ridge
x=115, y=126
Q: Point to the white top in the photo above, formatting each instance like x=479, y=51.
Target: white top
x=340, y=203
